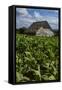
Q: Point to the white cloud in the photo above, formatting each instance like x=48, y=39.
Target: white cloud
x=23, y=12
x=53, y=21
x=37, y=16
x=25, y=19
x=24, y=22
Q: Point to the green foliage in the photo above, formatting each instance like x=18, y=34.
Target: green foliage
x=37, y=58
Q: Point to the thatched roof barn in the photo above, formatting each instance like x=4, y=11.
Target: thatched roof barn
x=36, y=25
x=40, y=28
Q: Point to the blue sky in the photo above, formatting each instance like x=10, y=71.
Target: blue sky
x=26, y=16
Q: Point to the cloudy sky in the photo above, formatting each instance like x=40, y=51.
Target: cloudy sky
x=26, y=16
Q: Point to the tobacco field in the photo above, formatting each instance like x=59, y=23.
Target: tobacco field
x=37, y=58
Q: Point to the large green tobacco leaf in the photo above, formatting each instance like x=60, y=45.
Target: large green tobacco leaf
x=20, y=77
x=37, y=58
